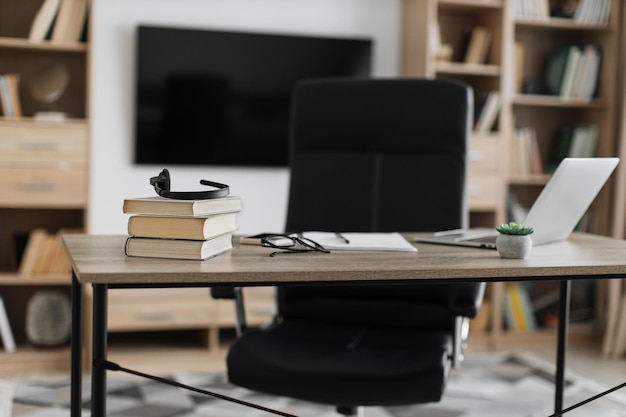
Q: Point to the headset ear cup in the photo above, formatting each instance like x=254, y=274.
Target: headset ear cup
x=165, y=174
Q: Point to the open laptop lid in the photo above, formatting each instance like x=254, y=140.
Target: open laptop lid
x=556, y=212
x=567, y=196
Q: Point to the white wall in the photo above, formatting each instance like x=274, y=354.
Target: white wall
x=113, y=175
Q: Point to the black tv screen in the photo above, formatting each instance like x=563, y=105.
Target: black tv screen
x=206, y=97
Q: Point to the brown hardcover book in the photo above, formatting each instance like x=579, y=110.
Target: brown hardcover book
x=174, y=227
x=33, y=251
x=171, y=207
x=478, y=48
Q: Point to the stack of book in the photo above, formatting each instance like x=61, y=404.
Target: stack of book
x=180, y=229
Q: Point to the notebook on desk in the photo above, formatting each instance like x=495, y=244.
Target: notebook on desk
x=556, y=212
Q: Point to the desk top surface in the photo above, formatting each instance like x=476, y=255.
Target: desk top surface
x=100, y=259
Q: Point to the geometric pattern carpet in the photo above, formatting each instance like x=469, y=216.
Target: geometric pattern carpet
x=486, y=385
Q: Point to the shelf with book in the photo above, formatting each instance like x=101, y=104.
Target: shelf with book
x=43, y=160
x=516, y=67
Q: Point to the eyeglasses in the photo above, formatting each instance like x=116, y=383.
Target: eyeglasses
x=291, y=244
x=162, y=184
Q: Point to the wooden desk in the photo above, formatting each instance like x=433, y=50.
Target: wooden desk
x=100, y=261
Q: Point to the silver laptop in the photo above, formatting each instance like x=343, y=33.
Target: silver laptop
x=556, y=212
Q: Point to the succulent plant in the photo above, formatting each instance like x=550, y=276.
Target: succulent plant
x=513, y=228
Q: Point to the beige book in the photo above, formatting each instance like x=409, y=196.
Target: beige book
x=174, y=227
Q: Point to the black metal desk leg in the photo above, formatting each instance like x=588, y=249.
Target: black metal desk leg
x=564, y=302
x=76, y=362
x=99, y=349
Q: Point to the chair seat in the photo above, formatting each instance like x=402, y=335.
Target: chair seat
x=342, y=365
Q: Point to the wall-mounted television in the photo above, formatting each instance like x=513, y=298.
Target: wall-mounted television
x=208, y=97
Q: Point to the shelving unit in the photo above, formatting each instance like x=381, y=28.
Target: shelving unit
x=546, y=113
x=428, y=24
x=44, y=165
x=431, y=23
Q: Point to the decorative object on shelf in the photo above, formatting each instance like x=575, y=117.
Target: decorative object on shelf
x=514, y=240
x=47, y=87
x=48, y=319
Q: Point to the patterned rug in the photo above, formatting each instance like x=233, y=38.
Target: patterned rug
x=513, y=385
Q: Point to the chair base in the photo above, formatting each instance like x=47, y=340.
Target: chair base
x=350, y=411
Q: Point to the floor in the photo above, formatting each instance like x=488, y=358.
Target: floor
x=487, y=385
x=585, y=360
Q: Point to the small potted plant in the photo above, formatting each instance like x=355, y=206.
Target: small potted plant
x=514, y=240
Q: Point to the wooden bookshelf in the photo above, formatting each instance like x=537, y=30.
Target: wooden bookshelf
x=428, y=24
x=45, y=168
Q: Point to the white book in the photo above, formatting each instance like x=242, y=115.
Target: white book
x=488, y=116
x=606, y=11
x=591, y=80
x=582, y=69
x=570, y=71
x=43, y=20
x=5, y=329
x=583, y=142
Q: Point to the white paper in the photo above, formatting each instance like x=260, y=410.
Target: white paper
x=362, y=241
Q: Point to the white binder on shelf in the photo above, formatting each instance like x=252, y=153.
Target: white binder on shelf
x=5, y=329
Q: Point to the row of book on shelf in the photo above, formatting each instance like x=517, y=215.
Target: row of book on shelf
x=180, y=229
x=527, y=307
x=583, y=11
x=573, y=71
x=60, y=21
x=569, y=141
x=10, y=95
x=486, y=111
x=44, y=253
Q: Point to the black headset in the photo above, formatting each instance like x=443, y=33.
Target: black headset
x=162, y=184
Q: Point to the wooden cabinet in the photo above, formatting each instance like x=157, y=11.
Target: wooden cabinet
x=436, y=34
x=44, y=164
x=185, y=308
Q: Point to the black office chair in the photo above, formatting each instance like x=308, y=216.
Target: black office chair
x=370, y=155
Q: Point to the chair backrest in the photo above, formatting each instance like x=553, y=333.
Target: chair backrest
x=378, y=155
